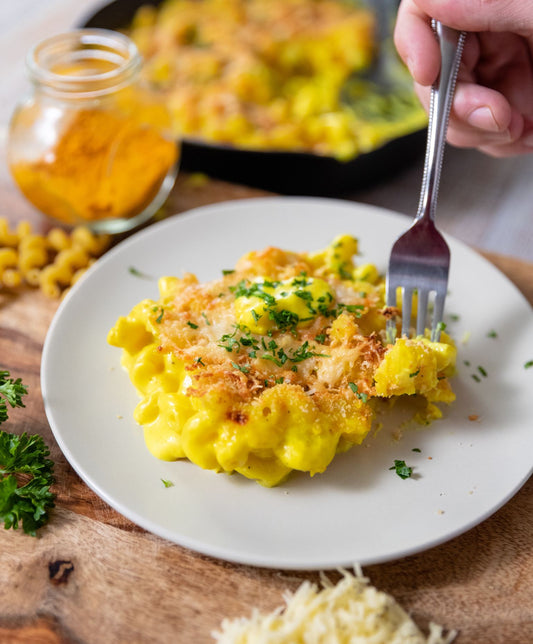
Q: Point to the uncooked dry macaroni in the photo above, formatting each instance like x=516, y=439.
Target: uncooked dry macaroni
x=52, y=262
x=276, y=366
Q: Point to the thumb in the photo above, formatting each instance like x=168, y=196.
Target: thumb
x=482, y=15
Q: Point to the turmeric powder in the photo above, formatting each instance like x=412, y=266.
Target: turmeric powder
x=104, y=166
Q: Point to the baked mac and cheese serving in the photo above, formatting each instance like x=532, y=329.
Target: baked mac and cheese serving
x=276, y=366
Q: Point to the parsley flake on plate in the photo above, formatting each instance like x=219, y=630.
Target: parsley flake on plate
x=402, y=470
x=137, y=273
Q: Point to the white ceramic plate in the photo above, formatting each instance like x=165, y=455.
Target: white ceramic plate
x=357, y=511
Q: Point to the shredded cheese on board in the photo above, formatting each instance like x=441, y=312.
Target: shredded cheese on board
x=349, y=612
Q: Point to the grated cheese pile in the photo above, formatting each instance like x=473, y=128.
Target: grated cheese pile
x=350, y=612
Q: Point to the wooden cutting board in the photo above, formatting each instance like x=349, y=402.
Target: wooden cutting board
x=94, y=577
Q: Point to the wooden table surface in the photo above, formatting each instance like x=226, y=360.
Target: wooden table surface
x=93, y=576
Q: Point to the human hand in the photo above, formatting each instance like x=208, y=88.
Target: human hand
x=493, y=104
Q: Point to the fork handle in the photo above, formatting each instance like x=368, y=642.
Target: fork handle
x=451, y=48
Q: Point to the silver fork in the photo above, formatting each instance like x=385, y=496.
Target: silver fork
x=420, y=258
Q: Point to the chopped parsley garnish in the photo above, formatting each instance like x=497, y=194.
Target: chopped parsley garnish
x=229, y=342
x=344, y=272
x=476, y=377
x=303, y=352
x=279, y=357
x=255, y=290
x=402, y=470
x=528, y=364
x=441, y=326
x=192, y=325
x=363, y=397
x=161, y=310
x=228, y=271
x=304, y=295
x=352, y=308
x=284, y=319
x=233, y=343
x=135, y=271
x=414, y=374
x=482, y=371
x=200, y=361
x=167, y=483
x=320, y=338
x=356, y=309
x=308, y=298
x=206, y=319
x=492, y=334
x=241, y=368
x=301, y=281
x=416, y=449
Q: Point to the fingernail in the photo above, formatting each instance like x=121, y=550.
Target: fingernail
x=483, y=119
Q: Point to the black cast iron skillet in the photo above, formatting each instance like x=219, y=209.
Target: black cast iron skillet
x=290, y=173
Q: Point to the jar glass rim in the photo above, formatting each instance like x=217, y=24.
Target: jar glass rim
x=96, y=44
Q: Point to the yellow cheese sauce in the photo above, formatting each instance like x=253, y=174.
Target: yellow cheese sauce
x=274, y=367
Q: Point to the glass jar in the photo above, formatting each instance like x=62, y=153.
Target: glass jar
x=90, y=145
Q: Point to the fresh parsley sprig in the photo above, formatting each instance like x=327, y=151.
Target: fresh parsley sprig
x=21, y=457
x=11, y=391
x=26, y=472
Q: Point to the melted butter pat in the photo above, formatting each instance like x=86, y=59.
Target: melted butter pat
x=300, y=296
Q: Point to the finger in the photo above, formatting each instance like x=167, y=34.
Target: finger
x=506, y=66
x=462, y=134
x=416, y=44
x=423, y=92
x=480, y=15
x=481, y=108
x=509, y=150
x=479, y=117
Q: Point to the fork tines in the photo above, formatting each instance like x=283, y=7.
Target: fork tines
x=419, y=263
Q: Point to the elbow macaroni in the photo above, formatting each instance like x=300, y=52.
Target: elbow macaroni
x=52, y=262
x=275, y=367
